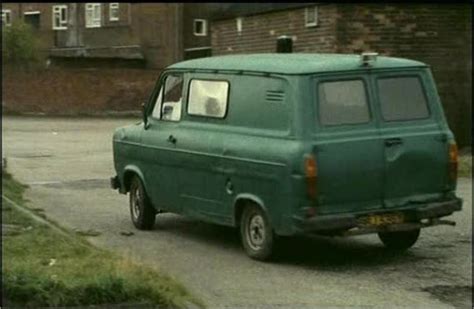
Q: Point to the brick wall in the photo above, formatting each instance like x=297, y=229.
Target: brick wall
x=260, y=32
x=437, y=34
x=73, y=92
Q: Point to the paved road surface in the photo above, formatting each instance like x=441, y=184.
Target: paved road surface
x=67, y=163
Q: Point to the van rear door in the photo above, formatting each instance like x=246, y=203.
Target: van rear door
x=347, y=146
x=414, y=136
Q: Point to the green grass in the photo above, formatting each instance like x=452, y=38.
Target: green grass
x=465, y=166
x=44, y=268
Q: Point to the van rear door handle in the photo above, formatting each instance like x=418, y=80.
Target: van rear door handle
x=393, y=141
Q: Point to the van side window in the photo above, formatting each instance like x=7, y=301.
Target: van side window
x=156, y=113
x=172, y=98
x=343, y=102
x=208, y=98
x=402, y=98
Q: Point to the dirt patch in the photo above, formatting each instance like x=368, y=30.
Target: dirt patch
x=459, y=296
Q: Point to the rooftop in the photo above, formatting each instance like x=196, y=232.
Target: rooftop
x=294, y=63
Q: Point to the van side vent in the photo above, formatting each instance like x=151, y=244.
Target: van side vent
x=275, y=96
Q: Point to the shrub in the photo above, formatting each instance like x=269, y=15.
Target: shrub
x=20, y=47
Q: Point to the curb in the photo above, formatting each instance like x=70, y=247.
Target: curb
x=36, y=218
x=106, y=114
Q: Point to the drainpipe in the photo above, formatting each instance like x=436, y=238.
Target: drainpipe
x=178, y=54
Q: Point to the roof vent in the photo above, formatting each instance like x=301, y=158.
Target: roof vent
x=275, y=96
x=368, y=59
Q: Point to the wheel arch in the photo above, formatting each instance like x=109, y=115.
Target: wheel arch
x=128, y=172
x=243, y=199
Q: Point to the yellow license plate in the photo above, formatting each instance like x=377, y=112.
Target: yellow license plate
x=382, y=219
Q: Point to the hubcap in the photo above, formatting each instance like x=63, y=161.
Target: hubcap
x=256, y=232
x=136, y=198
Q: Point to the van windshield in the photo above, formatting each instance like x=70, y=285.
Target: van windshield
x=402, y=98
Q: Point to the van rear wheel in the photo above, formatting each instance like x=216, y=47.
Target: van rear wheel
x=256, y=233
x=399, y=240
x=142, y=212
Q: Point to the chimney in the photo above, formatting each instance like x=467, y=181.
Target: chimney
x=284, y=44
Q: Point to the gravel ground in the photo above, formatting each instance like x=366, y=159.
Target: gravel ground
x=67, y=163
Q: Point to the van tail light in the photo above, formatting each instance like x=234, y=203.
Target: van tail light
x=311, y=173
x=453, y=163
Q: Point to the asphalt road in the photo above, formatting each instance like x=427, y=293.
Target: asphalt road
x=67, y=163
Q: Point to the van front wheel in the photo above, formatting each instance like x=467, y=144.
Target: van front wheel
x=142, y=212
x=399, y=240
x=256, y=233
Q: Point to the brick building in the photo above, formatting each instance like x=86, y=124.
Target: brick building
x=103, y=57
x=437, y=34
x=149, y=35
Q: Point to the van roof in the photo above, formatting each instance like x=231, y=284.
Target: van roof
x=291, y=63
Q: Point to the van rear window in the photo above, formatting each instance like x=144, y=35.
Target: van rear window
x=343, y=102
x=402, y=98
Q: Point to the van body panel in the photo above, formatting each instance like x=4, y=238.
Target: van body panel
x=415, y=150
x=349, y=156
x=280, y=109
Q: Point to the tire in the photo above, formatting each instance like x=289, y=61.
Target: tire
x=142, y=212
x=399, y=241
x=256, y=233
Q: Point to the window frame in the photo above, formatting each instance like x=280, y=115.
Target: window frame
x=95, y=22
x=307, y=13
x=58, y=9
x=29, y=13
x=239, y=24
x=422, y=86
x=188, y=96
x=365, y=84
x=204, y=23
x=6, y=12
x=114, y=6
x=161, y=85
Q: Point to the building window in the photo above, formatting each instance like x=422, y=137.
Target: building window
x=59, y=17
x=311, y=16
x=114, y=11
x=200, y=27
x=93, y=15
x=238, y=22
x=32, y=19
x=6, y=17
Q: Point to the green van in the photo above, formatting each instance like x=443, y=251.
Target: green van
x=284, y=144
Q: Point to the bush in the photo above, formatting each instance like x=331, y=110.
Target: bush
x=20, y=47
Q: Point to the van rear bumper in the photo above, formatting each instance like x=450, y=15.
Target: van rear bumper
x=343, y=222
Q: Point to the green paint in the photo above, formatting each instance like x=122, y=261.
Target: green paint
x=273, y=120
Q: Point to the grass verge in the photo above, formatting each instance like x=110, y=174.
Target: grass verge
x=41, y=267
